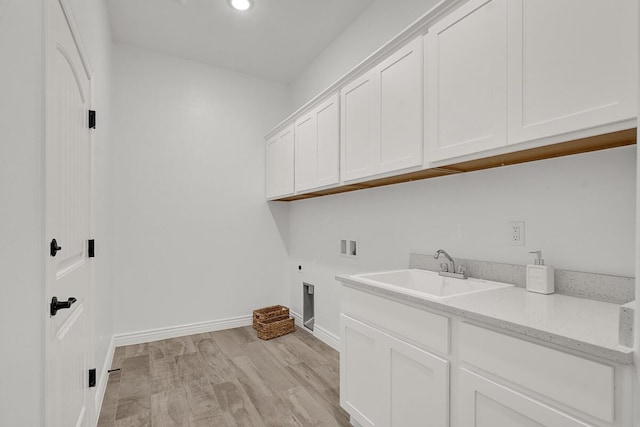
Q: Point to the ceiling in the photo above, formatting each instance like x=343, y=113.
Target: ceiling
x=275, y=40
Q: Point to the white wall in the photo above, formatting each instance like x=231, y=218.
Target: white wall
x=22, y=247
x=93, y=22
x=378, y=24
x=194, y=239
x=579, y=210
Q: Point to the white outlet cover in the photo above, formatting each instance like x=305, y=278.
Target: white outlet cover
x=515, y=233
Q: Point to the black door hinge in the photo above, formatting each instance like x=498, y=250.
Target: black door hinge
x=92, y=119
x=92, y=377
x=91, y=248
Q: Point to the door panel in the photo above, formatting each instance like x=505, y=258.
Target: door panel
x=317, y=148
x=573, y=65
x=360, y=392
x=280, y=164
x=357, y=130
x=485, y=403
x=328, y=143
x=306, y=152
x=67, y=215
x=418, y=388
x=466, y=80
x=400, y=85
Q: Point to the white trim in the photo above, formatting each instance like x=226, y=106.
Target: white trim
x=182, y=330
x=327, y=337
x=80, y=421
x=319, y=332
x=75, y=33
x=298, y=319
x=104, y=377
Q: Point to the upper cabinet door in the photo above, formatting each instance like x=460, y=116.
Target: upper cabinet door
x=399, y=92
x=317, y=147
x=280, y=166
x=357, y=129
x=381, y=116
x=306, y=151
x=466, y=81
x=573, y=65
x=328, y=137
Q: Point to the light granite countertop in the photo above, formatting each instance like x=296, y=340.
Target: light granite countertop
x=581, y=324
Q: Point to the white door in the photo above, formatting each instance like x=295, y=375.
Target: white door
x=415, y=387
x=572, y=65
x=466, y=81
x=399, y=94
x=485, y=403
x=67, y=209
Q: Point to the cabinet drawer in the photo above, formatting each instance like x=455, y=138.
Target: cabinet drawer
x=420, y=327
x=582, y=384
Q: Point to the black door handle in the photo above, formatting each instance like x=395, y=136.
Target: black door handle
x=59, y=305
x=54, y=248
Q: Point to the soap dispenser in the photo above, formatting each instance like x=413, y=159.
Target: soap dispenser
x=540, y=276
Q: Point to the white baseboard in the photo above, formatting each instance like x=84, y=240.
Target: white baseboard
x=298, y=320
x=319, y=332
x=182, y=330
x=101, y=387
x=327, y=337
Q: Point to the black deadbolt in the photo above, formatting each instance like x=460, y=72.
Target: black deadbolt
x=54, y=247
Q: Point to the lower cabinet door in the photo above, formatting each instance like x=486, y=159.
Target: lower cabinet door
x=415, y=387
x=485, y=403
x=360, y=376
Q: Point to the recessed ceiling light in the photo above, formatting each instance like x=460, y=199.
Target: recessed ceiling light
x=241, y=4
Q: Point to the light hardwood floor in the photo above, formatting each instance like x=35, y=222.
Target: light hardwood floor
x=225, y=378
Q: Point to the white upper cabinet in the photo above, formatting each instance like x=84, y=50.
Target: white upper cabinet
x=572, y=65
x=357, y=128
x=381, y=116
x=398, y=82
x=466, y=81
x=280, y=166
x=476, y=81
x=317, y=147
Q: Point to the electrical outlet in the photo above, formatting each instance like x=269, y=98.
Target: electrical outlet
x=516, y=233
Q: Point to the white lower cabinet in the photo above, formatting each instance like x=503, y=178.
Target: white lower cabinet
x=360, y=379
x=415, y=386
x=385, y=381
x=389, y=376
x=485, y=403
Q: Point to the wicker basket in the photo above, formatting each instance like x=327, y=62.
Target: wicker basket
x=275, y=328
x=274, y=312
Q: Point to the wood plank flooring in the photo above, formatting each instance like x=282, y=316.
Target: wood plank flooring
x=225, y=378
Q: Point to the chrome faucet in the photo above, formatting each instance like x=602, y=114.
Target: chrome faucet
x=450, y=270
